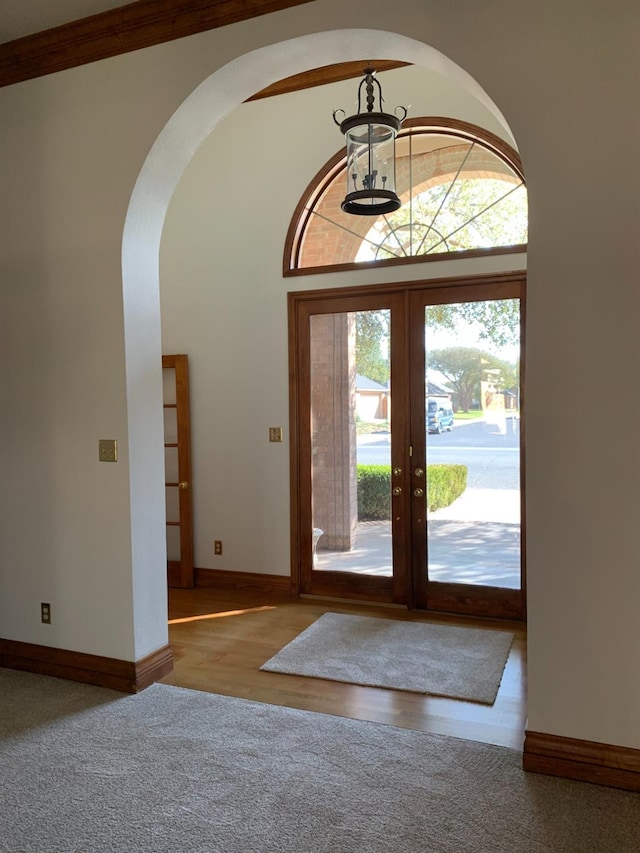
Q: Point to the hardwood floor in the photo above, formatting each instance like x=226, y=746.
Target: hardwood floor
x=220, y=638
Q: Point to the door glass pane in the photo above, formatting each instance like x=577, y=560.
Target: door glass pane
x=172, y=500
x=170, y=425
x=169, y=385
x=173, y=543
x=472, y=420
x=171, y=464
x=351, y=442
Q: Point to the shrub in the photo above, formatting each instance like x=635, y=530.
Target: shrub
x=374, y=492
x=445, y=483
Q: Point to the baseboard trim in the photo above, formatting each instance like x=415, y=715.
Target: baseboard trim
x=125, y=676
x=152, y=668
x=584, y=760
x=275, y=584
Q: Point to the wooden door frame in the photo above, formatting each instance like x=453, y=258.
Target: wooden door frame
x=346, y=585
x=300, y=539
x=477, y=600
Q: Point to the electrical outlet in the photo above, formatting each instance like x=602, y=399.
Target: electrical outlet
x=217, y=547
x=45, y=613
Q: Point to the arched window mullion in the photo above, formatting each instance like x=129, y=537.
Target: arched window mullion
x=446, y=195
x=347, y=230
x=411, y=204
x=478, y=215
x=393, y=231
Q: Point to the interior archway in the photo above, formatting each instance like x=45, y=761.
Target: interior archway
x=190, y=125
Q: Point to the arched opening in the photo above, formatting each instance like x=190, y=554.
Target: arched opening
x=214, y=99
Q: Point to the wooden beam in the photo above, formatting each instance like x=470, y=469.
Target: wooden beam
x=121, y=30
x=326, y=74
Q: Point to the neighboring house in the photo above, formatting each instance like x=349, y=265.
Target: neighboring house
x=372, y=399
x=437, y=388
x=437, y=382
x=437, y=385
x=510, y=400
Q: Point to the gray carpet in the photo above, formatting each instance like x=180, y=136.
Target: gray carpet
x=87, y=770
x=442, y=660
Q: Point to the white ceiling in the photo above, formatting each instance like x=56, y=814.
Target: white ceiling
x=23, y=17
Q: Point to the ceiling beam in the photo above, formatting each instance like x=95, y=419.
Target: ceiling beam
x=326, y=74
x=126, y=28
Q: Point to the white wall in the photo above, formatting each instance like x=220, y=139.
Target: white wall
x=566, y=77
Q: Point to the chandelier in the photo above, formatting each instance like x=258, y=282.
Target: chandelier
x=371, y=162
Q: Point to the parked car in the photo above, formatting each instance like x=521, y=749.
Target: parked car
x=439, y=415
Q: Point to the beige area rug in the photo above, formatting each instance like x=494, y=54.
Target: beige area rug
x=441, y=660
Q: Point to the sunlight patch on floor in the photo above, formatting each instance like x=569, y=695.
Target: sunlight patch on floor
x=219, y=615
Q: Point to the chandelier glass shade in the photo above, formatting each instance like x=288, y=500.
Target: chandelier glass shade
x=370, y=138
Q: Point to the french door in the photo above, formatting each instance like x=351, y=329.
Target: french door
x=177, y=462
x=407, y=444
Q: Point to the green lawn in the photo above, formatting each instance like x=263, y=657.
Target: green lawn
x=467, y=416
x=367, y=427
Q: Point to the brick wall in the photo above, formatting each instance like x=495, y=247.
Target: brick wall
x=333, y=424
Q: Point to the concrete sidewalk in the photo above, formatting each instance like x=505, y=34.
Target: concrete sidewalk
x=476, y=540
x=482, y=505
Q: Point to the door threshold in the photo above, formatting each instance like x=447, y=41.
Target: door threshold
x=307, y=596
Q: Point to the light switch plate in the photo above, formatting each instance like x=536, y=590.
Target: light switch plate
x=108, y=450
x=275, y=433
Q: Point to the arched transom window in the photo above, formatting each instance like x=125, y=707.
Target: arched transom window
x=462, y=191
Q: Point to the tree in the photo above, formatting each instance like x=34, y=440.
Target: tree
x=463, y=369
x=498, y=320
x=468, y=212
x=372, y=345
x=465, y=213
